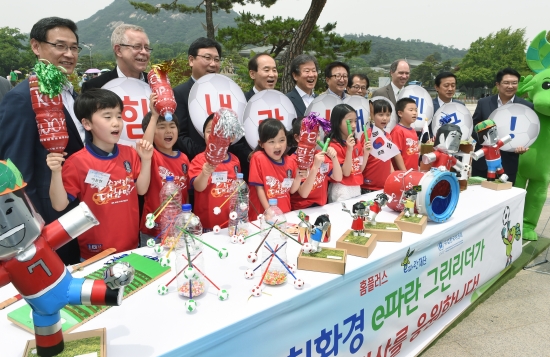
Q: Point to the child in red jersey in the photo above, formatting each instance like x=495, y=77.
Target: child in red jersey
x=352, y=155
x=272, y=173
x=165, y=162
x=404, y=136
x=104, y=175
x=212, y=184
x=377, y=171
x=325, y=166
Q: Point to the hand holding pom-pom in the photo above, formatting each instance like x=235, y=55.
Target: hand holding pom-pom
x=216, y=229
x=223, y=253
x=252, y=257
x=298, y=283
x=162, y=289
x=190, y=305
x=249, y=274
x=217, y=210
x=223, y=295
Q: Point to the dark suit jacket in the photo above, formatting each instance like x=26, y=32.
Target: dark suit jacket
x=100, y=81
x=249, y=94
x=485, y=107
x=387, y=92
x=19, y=141
x=297, y=101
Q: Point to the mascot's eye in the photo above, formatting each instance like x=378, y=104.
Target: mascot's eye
x=8, y=211
x=546, y=85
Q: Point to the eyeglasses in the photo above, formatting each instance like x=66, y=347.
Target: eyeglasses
x=209, y=59
x=506, y=84
x=358, y=87
x=137, y=48
x=63, y=48
x=339, y=76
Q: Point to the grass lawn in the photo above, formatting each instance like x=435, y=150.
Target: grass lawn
x=411, y=219
x=360, y=240
x=326, y=252
x=78, y=347
x=381, y=225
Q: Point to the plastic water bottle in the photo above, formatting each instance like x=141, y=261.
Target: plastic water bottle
x=173, y=208
x=276, y=273
x=239, y=204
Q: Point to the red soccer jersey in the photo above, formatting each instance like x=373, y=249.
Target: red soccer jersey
x=163, y=165
x=407, y=142
x=443, y=159
x=356, y=176
x=377, y=171
x=492, y=152
x=115, y=205
x=319, y=192
x=276, y=179
x=215, y=193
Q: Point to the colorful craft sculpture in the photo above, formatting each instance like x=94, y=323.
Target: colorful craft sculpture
x=533, y=168
x=490, y=148
x=28, y=260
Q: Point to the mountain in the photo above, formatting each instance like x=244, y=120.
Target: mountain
x=164, y=27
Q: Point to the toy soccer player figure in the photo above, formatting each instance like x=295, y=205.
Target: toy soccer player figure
x=28, y=260
x=446, y=143
x=318, y=231
x=360, y=213
x=376, y=206
x=408, y=201
x=487, y=130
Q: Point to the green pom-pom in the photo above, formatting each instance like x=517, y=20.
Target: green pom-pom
x=50, y=79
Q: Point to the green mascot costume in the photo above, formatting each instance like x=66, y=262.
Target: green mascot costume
x=534, y=165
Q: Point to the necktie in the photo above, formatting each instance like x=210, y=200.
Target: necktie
x=68, y=101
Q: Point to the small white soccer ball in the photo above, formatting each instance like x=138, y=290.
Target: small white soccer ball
x=158, y=249
x=256, y=290
x=240, y=239
x=223, y=253
x=164, y=262
x=243, y=206
x=149, y=223
x=249, y=274
x=307, y=248
x=233, y=215
x=217, y=210
x=216, y=229
x=223, y=295
x=149, y=216
x=190, y=273
x=299, y=283
x=234, y=239
x=252, y=257
x=260, y=217
x=118, y=275
x=292, y=267
x=162, y=289
x=190, y=305
x=151, y=242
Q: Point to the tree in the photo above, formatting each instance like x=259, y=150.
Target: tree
x=488, y=55
x=14, y=51
x=430, y=68
x=210, y=6
x=279, y=33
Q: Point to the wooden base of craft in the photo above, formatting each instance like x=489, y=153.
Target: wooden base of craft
x=497, y=186
x=412, y=227
x=74, y=343
x=385, y=232
x=329, y=260
x=360, y=246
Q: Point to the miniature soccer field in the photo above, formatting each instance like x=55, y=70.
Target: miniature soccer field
x=77, y=348
x=360, y=240
x=323, y=254
x=381, y=225
x=412, y=219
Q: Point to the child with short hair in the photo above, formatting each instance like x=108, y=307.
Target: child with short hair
x=352, y=155
x=272, y=173
x=106, y=176
x=165, y=162
x=377, y=171
x=209, y=194
x=315, y=187
x=404, y=136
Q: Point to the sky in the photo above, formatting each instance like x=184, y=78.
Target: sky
x=444, y=22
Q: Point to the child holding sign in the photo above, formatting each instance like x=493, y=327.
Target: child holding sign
x=352, y=155
x=377, y=171
x=325, y=165
x=273, y=173
x=212, y=184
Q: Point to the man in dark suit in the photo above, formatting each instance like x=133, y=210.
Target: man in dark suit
x=132, y=51
x=445, y=86
x=507, y=84
x=5, y=87
x=399, y=72
x=305, y=70
x=263, y=71
x=55, y=40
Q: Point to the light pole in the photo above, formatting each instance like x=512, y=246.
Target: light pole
x=89, y=46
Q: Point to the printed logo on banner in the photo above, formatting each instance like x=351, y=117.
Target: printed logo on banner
x=446, y=245
x=509, y=233
x=409, y=265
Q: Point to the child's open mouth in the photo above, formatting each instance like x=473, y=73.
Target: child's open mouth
x=115, y=132
x=168, y=139
x=277, y=152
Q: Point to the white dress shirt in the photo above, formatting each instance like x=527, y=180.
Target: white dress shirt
x=68, y=102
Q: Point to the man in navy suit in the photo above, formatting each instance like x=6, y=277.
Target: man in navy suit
x=132, y=51
x=55, y=40
x=305, y=70
x=263, y=71
x=507, y=84
x=445, y=86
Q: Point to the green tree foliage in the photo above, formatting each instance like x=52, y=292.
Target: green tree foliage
x=15, y=52
x=486, y=56
x=430, y=68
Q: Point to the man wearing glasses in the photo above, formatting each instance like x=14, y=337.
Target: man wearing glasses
x=336, y=76
x=358, y=84
x=53, y=39
x=399, y=72
x=132, y=51
x=506, y=82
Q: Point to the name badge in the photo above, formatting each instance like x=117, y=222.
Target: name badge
x=324, y=168
x=219, y=177
x=97, y=178
x=287, y=183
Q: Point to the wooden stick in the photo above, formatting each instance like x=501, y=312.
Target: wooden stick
x=166, y=204
x=268, y=264
x=181, y=271
x=283, y=263
x=265, y=260
x=263, y=240
x=231, y=195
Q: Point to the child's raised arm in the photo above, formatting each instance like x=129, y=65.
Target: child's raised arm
x=336, y=168
x=366, y=153
x=145, y=152
x=149, y=134
x=201, y=181
x=348, y=161
x=305, y=188
x=58, y=195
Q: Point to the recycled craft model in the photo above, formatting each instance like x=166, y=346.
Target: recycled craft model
x=446, y=143
x=490, y=148
x=308, y=138
x=533, y=167
x=158, y=80
x=28, y=260
x=225, y=127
